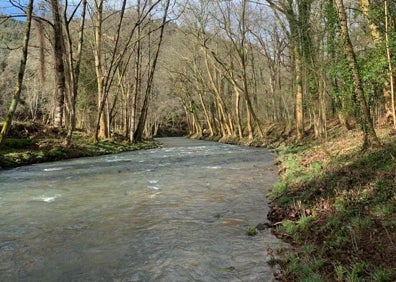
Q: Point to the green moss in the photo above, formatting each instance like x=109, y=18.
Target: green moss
x=17, y=143
x=82, y=147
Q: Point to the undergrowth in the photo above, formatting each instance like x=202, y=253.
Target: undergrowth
x=336, y=205
x=25, y=149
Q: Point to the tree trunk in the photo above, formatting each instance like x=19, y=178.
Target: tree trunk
x=208, y=121
x=21, y=73
x=74, y=70
x=390, y=108
x=238, y=111
x=299, y=94
x=138, y=135
x=219, y=100
x=370, y=136
x=59, y=50
x=101, y=122
x=375, y=34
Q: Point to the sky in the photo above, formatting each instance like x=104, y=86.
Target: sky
x=6, y=7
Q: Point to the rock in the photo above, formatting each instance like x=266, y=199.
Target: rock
x=265, y=225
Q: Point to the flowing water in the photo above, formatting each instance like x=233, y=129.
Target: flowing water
x=177, y=213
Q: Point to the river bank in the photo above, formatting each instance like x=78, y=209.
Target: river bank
x=336, y=205
x=30, y=143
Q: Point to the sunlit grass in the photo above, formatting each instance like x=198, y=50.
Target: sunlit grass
x=23, y=151
x=351, y=225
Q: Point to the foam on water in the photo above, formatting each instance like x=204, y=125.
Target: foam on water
x=180, y=215
x=53, y=169
x=48, y=199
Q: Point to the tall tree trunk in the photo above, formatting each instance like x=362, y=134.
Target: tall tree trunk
x=208, y=120
x=138, y=135
x=101, y=122
x=59, y=50
x=297, y=14
x=21, y=73
x=375, y=34
x=299, y=94
x=391, y=108
x=238, y=111
x=219, y=100
x=74, y=71
x=370, y=136
x=243, y=61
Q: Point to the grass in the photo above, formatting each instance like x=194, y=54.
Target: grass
x=251, y=231
x=336, y=205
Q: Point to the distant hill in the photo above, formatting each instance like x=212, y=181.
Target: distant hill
x=11, y=36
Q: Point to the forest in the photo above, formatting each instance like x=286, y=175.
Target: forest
x=285, y=74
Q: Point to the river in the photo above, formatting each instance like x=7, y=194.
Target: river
x=176, y=213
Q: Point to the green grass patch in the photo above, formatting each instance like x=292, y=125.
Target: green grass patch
x=17, y=143
x=251, y=231
x=339, y=213
x=23, y=153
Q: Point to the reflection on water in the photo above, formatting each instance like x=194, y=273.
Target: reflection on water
x=178, y=213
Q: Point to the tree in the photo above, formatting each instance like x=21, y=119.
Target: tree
x=297, y=14
x=59, y=51
x=120, y=50
x=138, y=134
x=370, y=136
x=21, y=73
x=380, y=28
x=74, y=65
x=390, y=66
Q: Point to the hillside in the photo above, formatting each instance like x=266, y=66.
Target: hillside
x=335, y=205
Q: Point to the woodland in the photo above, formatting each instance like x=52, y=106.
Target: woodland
x=214, y=68
x=314, y=80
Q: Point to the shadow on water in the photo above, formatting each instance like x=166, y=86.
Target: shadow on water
x=177, y=213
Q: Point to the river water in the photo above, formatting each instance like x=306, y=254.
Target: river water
x=177, y=213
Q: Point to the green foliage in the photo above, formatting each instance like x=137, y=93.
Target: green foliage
x=356, y=273
x=337, y=68
x=251, y=231
x=278, y=190
x=373, y=67
x=17, y=143
x=381, y=275
x=289, y=227
x=305, y=222
x=340, y=272
x=304, y=270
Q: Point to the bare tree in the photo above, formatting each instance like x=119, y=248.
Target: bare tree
x=21, y=73
x=74, y=63
x=59, y=51
x=138, y=135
